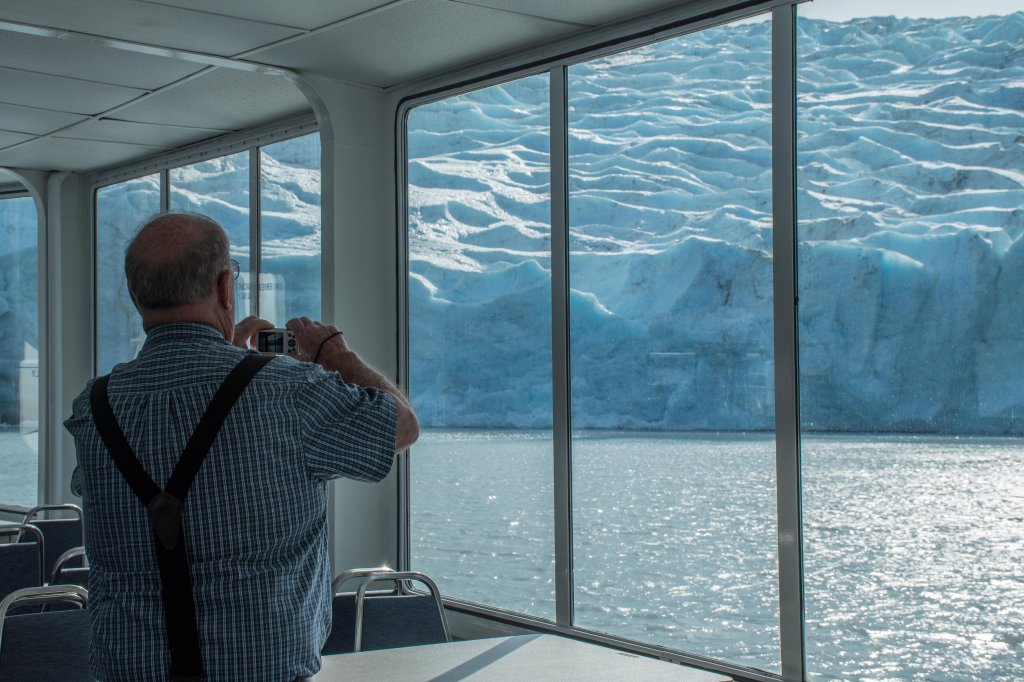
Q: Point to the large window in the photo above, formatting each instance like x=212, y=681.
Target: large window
x=19, y=352
x=912, y=342
x=670, y=270
x=904, y=442
x=480, y=315
x=288, y=224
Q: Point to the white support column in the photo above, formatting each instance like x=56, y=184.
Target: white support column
x=360, y=284
x=69, y=330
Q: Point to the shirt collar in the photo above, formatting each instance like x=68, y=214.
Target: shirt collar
x=181, y=331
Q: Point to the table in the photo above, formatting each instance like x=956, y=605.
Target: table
x=524, y=657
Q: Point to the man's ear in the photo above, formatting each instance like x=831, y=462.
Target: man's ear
x=226, y=290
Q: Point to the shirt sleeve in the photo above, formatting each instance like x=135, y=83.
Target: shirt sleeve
x=347, y=430
x=80, y=419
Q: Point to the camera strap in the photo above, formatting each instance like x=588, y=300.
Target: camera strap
x=165, y=506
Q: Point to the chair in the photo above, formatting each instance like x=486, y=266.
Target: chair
x=61, y=534
x=343, y=608
x=406, y=618
x=65, y=574
x=21, y=563
x=45, y=647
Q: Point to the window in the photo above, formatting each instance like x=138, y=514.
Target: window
x=288, y=251
x=670, y=268
x=900, y=454
x=20, y=389
x=219, y=188
x=911, y=342
x=480, y=358
x=120, y=210
x=290, y=229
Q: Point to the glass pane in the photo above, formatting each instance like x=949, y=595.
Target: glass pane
x=911, y=339
x=479, y=345
x=219, y=188
x=19, y=352
x=672, y=345
x=121, y=210
x=290, y=229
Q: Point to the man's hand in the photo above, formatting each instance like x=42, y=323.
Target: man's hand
x=314, y=339
x=245, y=331
x=310, y=337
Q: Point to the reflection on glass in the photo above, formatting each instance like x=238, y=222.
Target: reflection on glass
x=290, y=229
x=219, y=188
x=19, y=352
x=672, y=345
x=911, y=341
x=479, y=345
x=120, y=210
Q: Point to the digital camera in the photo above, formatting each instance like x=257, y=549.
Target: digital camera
x=276, y=341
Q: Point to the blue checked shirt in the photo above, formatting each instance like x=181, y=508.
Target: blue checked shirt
x=255, y=516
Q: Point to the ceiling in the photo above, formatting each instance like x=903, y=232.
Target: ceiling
x=91, y=84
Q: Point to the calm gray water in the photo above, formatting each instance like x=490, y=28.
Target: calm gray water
x=914, y=546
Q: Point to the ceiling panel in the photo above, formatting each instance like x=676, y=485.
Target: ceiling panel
x=61, y=94
x=140, y=133
x=308, y=14
x=412, y=41
x=90, y=61
x=35, y=121
x=590, y=12
x=146, y=23
x=73, y=155
x=7, y=138
x=220, y=99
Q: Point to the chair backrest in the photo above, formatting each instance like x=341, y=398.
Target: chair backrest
x=343, y=611
x=61, y=534
x=396, y=620
x=21, y=564
x=45, y=646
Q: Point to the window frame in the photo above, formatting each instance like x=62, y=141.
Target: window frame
x=787, y=429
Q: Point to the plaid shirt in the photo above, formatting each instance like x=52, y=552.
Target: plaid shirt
x=255, y=516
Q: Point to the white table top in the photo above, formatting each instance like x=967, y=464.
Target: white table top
x=525, y=657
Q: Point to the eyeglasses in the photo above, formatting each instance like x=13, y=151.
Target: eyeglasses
x=234, y=268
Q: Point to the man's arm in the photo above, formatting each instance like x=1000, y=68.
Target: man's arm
x=326, y=346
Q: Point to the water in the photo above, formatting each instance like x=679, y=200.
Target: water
x=914, y=546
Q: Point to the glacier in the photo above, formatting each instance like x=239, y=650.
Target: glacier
x=909, y=192
x=910, y=255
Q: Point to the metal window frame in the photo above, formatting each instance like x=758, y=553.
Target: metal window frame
x=787, y=431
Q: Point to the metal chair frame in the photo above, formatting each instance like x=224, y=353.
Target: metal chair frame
x=67, y=556
x=353, y=573
x=398, y=577
x=20, y=529
x=42, y=595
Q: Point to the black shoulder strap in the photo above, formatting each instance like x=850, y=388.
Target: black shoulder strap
x=165, y=507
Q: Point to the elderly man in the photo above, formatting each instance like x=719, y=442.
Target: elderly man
x=231, y=583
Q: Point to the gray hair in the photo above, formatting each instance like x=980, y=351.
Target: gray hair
x=186, y=273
